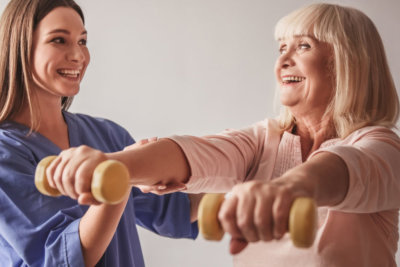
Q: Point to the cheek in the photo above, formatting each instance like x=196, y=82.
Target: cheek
x=87, y=61
x=38, y=69
x=87, y=55
x=42, y=59
x=320, y=72
x=277, y=70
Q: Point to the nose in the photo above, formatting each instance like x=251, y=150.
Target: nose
x=76, y=54
x=286, y=60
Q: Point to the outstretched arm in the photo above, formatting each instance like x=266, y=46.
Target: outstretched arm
x=259, y=210
x=162, y=162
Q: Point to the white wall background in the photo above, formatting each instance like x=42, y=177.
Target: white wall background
x=161, y=67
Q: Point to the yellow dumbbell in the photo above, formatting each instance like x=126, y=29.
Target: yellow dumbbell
x=110, y=182
x=302, y=219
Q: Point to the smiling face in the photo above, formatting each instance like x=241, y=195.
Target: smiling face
x=304, y=71
x=60, y=55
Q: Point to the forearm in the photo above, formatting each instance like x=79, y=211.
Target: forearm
x=325, y=177
x=156, y=162
x=96, y=229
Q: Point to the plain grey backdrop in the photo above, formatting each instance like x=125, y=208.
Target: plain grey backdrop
x=162, y=67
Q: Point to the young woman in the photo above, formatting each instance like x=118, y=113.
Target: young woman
x=43, y=58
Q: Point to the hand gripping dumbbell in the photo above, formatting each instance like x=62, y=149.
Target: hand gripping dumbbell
x=110, y=181
x=302, y=219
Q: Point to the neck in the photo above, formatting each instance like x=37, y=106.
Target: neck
x=51, y=125
x=313, y=132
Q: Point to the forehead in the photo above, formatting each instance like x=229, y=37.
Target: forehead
x=61, y=18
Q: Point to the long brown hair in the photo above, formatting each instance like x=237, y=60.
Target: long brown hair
x=17, y=24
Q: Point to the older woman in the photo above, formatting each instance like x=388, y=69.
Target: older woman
x=333, y=143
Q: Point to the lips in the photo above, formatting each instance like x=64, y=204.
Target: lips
x=69, y=73
x=292, y=79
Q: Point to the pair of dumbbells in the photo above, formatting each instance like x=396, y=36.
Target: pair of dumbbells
x=110, y=184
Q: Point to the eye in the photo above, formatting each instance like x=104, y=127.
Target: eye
x=58, y=40
x=282, y=49
x=83, y=42
x=304, y=46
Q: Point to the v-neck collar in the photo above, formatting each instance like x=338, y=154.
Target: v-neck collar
x=72, y=129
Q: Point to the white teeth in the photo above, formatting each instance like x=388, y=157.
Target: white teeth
x=288, y=79
x=70, y=73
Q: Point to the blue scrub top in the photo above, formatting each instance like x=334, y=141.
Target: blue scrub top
x=37, y=230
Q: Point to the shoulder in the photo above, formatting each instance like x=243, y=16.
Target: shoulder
x=88, y=121
x=14, y=142
x=97, y=127
x=379, y=133
x=14, y=137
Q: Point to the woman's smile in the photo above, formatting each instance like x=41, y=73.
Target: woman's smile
x=70, y=74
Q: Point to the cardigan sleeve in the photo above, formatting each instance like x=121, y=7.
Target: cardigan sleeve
x=372, y=157
x=218, y=162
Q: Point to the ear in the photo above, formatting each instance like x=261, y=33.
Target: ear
x=162, y=189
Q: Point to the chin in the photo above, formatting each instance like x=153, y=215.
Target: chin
x=287, y=102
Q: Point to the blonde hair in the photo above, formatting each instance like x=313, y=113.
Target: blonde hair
x=364, y=93
x=17, y=25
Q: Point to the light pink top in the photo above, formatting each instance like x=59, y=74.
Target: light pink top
x=361, y=231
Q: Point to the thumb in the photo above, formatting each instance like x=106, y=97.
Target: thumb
x=237, y=245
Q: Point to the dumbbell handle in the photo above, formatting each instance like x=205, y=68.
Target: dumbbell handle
x=110, y=181
x=302, y=219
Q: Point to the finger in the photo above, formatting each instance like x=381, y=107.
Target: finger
x=162, y=189
x=153, y=139
x=50, y=170
x=155, y=189
x=87, y=199
x=142, y=142
x=237, y=245
x=148, y=140
x=147, y=188
x=58, y=175
x=245, y=218
x=169, y=188
x=83, y=177
x=263, y=218
x=69, y=176
x=281, y=210
x=227, y=217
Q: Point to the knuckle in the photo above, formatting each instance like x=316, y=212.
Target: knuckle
x=285, y=192
x=252, y=186
x=279, y=217
x=266, y=235
x=97, y=155
x=244, y=222
x=67, y=179
x=82, y=149
x=224, y=216
x=57, y=179
x=259, y=222
x=49, y=173
x=80, y=186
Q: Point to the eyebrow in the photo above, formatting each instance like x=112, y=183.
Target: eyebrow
x=63, y=31
x=303, y=35
x=298, y=36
